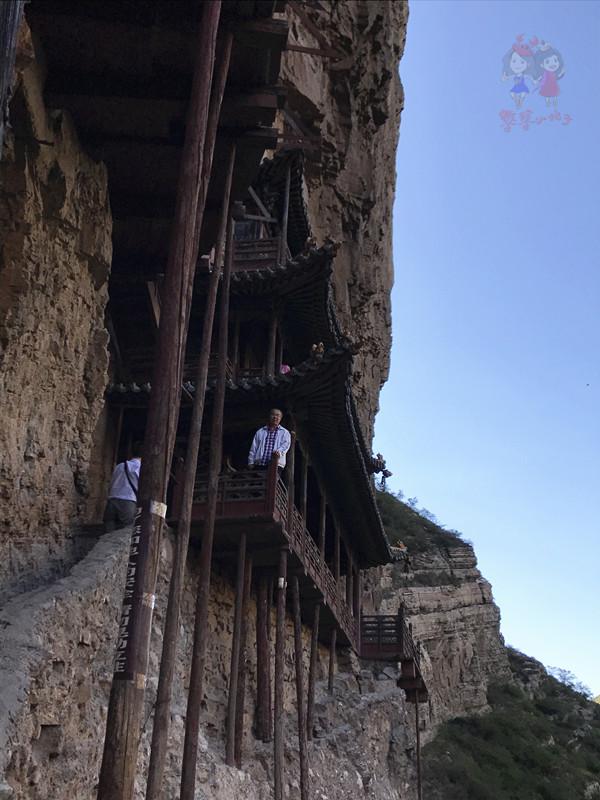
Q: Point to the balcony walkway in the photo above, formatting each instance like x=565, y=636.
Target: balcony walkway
x=257, y=502
x=387, y=637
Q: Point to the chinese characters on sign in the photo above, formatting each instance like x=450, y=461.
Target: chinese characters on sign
x=535, y=68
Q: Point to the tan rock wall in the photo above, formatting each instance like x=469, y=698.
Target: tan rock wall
x=55, y=254
x=55, y=680
x=456, y=621
x=353, y=103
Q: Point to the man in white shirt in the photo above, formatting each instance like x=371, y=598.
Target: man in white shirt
x=122, y=495
x=271, y=440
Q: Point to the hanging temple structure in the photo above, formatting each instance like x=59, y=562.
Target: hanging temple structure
x=221, y=305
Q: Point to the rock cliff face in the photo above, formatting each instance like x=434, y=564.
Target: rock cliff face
x=55, y=682
x=452, y=611
x=350, y=103
x=55, y=252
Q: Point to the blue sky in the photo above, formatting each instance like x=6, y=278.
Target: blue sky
x=491, y=413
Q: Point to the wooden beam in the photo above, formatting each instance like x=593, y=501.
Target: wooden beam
x=243, y=666
x=263, y=663
x=418, y=738
x=234, y=670
x=304, y=486
x=284, y=217
x=272, y=342
x=154, y=297
x=190, y=747
x=259, y=202
x=332, y=659
x=162, y=715
x=290, y=463
x=279, y=737
x=322, y=524
x=303, y=747
x=262, y=33
x=312, y=674
x=124, y=719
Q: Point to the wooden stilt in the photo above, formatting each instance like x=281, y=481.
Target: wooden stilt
x=243, y=663
x=332, y=660
x=123, y=726
x=418, y=737
x=304, y=486
x=284, y=218
x=271, y=367
x=291, y=465
x=336, y=558
x=235, y=355
x=349, y=579
x=234, y=669
x=263, y=663
x=270, y=591
x=162, y=716
x=312, y=674
x=279, y=733
x=322, y=525
x=192, y=722
x=302, y=745
x=279, y=355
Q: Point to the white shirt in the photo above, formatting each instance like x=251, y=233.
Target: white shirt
x=120, y=488
x=283, y=440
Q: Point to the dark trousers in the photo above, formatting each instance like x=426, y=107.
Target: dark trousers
x=118, y=514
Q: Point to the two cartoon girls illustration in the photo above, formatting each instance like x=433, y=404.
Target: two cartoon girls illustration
x=539, y=62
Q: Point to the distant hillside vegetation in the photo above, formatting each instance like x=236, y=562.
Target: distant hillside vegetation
x=540, y=741
x=408, y=525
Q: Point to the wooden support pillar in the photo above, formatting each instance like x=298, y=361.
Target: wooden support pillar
x=270, y=591
x=263, y=663
x=332, y=660
x=322, y=525
x=312, y=674
x=124, y=719
x=192, y=722
x=279, y=354
x=291, y=466
x=162, y=715
x=235, y=356
x=304, y=486
x=236, y=644
x=336, y=558
x=418, y=737
x=279, y=734
x=349, y=579
x=284, y=218
x=303, y=746
x=271, y=352
x=358, y=607
x=356, y=594
x=241, y=693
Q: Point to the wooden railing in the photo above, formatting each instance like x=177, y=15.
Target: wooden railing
x=251, y=254
x=388, y=635
x=256, y=493
x=316, y=567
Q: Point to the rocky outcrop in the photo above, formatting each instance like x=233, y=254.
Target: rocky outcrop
x=55, y=253
x=55, y=681
x=453, y=615
x=350, y=104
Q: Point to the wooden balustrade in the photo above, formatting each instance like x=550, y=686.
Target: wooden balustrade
x=255, y=493
x=253, y=254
